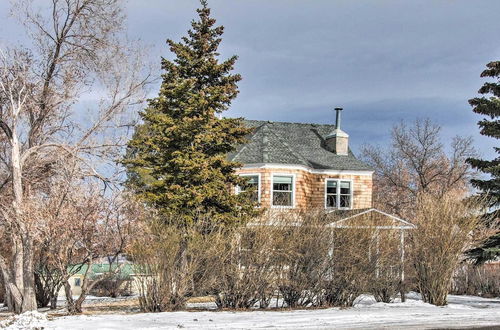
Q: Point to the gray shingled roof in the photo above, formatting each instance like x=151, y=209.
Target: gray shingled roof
x=293, y=144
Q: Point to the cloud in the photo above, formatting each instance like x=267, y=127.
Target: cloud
x=383, y=60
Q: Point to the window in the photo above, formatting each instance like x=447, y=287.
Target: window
x=253, y=185
x=78, y=282
x=345, y=194
x=331, y=193
x=283, y=191
x=338, y=194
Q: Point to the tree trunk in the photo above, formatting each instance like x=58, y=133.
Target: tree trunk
x=70, y=302
x=75, y=306
x=19, y=275
x=8, y=300
x=78, y=304
x=53, y=302
x=42, y=296
x=181, y=277
x=54, y=295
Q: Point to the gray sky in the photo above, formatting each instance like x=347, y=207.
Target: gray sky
x=383, y=61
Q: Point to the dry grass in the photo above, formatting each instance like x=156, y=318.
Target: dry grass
x=201, y=300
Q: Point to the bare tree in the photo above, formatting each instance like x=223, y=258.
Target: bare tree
x=76, y=51
x=417, y=162
x=80, y=226
x=101, y=240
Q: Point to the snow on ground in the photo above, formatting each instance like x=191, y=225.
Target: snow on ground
x=463, y=311
x=28, y=320
x=89, y=300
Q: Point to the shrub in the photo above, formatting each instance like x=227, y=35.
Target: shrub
x=115, y=286
x=446, y=228
x=292, y=254
x=386, y=286
x=167, y=258
x=304, y=261
x=478, y=280
x=385, y=266
x=245, y=270
x=349, y=265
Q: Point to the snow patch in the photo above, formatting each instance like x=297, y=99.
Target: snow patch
x=32, y=320
x=368, y=301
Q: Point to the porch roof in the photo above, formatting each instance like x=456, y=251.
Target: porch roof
x=368, y=218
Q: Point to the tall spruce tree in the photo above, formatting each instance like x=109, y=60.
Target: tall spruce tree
x=177, y=157
x=489, y=105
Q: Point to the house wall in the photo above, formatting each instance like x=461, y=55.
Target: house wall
x=310, y=187
x=75, y=289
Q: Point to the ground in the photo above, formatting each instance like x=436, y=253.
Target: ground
x=462, y=312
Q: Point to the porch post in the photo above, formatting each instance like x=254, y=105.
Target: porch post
x=377, y=246
x=402, y=250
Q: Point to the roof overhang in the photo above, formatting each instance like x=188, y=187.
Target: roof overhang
x=306, y=169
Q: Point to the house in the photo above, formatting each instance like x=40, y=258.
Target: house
x=124, y=275
x=304, y=166
x=310, y=166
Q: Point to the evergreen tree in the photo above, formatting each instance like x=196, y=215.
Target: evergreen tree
x=490, y=185
x=177, y=158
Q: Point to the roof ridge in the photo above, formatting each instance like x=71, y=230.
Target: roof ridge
x=286, y=122
x=293, y=152
x=245, y=145
x=265, y=143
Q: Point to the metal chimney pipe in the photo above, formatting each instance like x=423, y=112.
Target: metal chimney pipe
x=337, y=118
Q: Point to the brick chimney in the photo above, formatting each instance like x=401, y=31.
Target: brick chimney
x=338, y=140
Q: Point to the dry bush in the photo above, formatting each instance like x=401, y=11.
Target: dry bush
x=244, y=267
x=446, y=228
x=294, y=254
x=365, y=257
x=79, y=225
x=309, y=263
x=114, y=286
x=385, y=264
x=156, y=256
x=350, y=266
x=167, y=261
x=304, y=261
x=478, y=280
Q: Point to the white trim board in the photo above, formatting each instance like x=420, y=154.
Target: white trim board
x=305, y=168
x=405, y=224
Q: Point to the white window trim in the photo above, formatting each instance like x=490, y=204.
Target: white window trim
x=293, y=190
x=338, y=193
x=237, y=188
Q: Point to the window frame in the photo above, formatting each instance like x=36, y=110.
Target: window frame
x=293, y=176
x=351, y=190
x=238, y=190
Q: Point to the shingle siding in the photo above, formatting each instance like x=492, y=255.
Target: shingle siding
x=310, y=187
